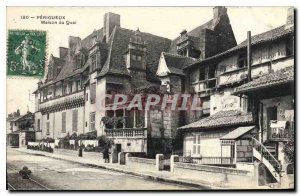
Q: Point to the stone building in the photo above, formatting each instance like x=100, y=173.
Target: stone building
x=111, y=60
x=251, y=102
x=205, y=61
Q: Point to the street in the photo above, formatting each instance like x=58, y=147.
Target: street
x=53, y=174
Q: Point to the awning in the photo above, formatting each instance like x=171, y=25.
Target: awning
x=235, y=134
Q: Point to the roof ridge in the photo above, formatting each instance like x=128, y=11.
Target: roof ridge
x=242, y=44
x=252, y=36
x=144, y=33
x=178, y=56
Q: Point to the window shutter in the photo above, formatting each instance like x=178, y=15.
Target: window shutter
x=75, y=120
x=92, y=121
x=63, y=123
x=48, y=128
x=194, y=149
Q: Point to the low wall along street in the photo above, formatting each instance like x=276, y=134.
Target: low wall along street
x=214, y=174
x=140, y=162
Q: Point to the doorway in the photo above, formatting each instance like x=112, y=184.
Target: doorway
x=271, y=115
x=118, y=147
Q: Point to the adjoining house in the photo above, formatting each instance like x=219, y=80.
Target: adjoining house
x=20, y=129
x=251, y=102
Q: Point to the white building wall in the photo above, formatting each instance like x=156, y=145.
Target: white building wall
x=55, y=120
x=37, y=116
x=208, y=147
x=100, y=105
x=132, y=144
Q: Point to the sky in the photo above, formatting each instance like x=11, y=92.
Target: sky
x=162, y=21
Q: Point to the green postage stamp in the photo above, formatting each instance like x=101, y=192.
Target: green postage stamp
x=26, y=53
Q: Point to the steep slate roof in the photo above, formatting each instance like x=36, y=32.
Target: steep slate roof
x=267, y=36
x=176, y=62
x=68, y=64
x=220, y=119
x=119, y=43
x=281, y=76
x=17, y=118
x=12, y=119
x=194, y=34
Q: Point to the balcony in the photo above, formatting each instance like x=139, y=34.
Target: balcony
x=126, y=133
x=204, y=85
x=73, y=100
x=233, y=74
x=281, y=133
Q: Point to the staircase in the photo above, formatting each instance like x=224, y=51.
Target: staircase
x=264, y=155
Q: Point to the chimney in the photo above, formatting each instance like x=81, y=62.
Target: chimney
x=183, y=32
x=290, y=17
x=249, y=55
x=110, y=21
x=40, y=83
x=63, y=52
x=219, y=11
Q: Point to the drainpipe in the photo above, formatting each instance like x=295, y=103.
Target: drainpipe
x=249, y=55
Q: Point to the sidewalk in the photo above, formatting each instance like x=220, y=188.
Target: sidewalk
x=146, y=173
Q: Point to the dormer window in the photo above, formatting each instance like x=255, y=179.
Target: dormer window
x=79, y=60
x=183, y=52
x=94, y=61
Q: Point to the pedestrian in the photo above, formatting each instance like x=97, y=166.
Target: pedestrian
x=106, y=155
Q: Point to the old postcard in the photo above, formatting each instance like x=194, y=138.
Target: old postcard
x=150, y=98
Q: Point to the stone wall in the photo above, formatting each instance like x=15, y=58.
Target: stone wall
x=244, y=150
x=146, y=164
x=132, y=144
x=213, y=174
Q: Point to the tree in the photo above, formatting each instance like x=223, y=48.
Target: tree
x=103, y=141
x=289, y=149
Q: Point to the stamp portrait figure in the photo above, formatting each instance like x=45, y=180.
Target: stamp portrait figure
x=24, y=50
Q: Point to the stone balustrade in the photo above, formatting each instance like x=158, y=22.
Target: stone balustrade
x=126, y=132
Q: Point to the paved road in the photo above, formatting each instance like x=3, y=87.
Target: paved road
x=62, y=175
